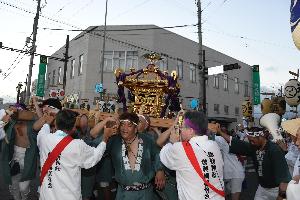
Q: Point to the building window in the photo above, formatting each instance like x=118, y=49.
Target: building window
x=193, y=73
x=108, y=61
x=119, y=60
x=163, y=64
x=131, y=59
x=80, y=66
x=72, y=71
x=216, y=108
x=225, y=82
x=53, y=78
x=246, y=92
x=237, y=111
x=48, y=80
x=216, y=81
x=226, y=110
x=180, y=68
x=236, y=85
x=59, y=76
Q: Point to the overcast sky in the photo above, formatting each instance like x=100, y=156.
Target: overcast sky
x=255, y=32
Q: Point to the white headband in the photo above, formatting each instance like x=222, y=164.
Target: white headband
x=144, y=118
x=254, y=133
x=127, y=120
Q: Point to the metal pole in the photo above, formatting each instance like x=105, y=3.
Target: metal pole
x=204, y=85
x=200, y=61
x=103, y=50
x=66, y=54
x=33, y=49
x=18, y=92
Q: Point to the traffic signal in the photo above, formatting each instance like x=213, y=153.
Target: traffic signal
x=231, y=67
x=205, y=73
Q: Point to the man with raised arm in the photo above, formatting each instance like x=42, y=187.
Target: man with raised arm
x=197, y=161
x=62, y=178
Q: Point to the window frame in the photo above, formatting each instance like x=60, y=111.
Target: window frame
x=59, y=76
x=180, y=68
x=193, y=73
x=53, y=77
x=72, y=70
x=216, y=81
x=246, y=89
x=80, y=65
x=225, y=82
x=226, y=109
x=236, y=85
x=217, y=108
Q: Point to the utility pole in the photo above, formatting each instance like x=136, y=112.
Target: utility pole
x=103, y=50
x=66, y=54
x=18, y=88
x=200, y=61
x=25, y=89
x=205, y=77
x=33, y=49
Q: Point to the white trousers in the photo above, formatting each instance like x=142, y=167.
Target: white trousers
x=266, y=193
x=19, y=190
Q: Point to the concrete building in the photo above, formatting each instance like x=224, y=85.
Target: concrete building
x=125, y=46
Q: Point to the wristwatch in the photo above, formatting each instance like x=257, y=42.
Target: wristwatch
x=282, y=194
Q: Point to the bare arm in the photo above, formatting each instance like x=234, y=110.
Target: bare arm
x=46, y=118
x=163, y=137
x=37, y=108
x=99, y=126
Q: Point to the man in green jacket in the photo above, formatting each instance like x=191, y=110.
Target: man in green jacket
x=19, y=156
x=271, y=167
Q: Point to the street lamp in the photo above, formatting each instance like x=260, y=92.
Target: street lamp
x=18, y=89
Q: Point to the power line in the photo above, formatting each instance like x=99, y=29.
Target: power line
x=25, y=52
x=123, y=30
x=16, y=59
x=247, y=38
x=33, y=13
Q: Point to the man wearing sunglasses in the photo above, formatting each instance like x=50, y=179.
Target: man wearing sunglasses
x=269, y=160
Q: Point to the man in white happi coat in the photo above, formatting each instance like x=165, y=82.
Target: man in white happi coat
x=234, y=172
x=207, y=153
x=63, y=179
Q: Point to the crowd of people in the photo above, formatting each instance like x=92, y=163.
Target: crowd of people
x=125, y=158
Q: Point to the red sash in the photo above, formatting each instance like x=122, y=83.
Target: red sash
x=192, y=157
x=54, y=155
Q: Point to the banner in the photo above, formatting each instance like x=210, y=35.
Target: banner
x=40, y=90
x=256, y=85
x=294, y=21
